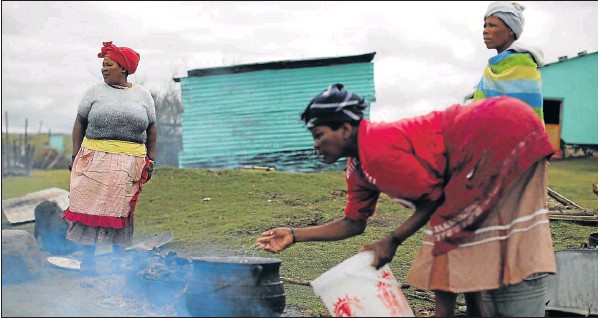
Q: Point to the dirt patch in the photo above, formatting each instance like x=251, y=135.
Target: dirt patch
x=57, y=292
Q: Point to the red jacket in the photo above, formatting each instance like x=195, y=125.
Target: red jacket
x=467, y=155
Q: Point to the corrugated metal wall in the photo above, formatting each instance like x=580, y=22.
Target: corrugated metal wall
x=575, y=82
x=253, y=118
x=57, y=142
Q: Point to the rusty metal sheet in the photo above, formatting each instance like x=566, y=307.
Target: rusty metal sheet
x=574, y=288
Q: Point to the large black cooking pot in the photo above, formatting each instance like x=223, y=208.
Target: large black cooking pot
x=235, y=287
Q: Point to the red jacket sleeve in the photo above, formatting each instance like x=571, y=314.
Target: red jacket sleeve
x=362, y=196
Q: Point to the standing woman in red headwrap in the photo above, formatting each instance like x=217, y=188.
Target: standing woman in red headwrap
x=114, y=138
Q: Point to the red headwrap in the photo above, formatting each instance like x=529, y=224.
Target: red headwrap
x=124, y=56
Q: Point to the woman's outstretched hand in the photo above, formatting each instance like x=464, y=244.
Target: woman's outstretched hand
x=275, y=240
x=384, y=250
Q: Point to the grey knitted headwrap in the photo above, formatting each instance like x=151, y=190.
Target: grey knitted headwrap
x=511, y=13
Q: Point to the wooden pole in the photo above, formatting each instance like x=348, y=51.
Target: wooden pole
x=27, y=160
x=295, y=281
x=26, y=130
x=38, y=143
x=303, y=282
x=7, y=140
x=31, y=156
x=6, y=121
x=561, y=198
x=15, y=153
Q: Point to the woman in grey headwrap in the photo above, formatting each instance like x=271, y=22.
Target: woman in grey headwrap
x=511, y=13
x=512, y=72
x=503, y=25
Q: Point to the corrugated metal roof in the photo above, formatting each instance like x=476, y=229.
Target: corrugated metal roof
x=566, y=58
x=253, y=117
x=278, y=65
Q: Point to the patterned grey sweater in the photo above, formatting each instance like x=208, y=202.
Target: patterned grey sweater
x=117, y=114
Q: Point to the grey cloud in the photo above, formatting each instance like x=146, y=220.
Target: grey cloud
x=429, y=54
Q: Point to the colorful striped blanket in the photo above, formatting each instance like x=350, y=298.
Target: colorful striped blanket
x=514, y=74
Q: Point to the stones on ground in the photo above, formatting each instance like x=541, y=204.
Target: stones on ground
x=50, y=229
x=22, y=259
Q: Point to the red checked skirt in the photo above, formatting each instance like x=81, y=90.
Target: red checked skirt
x=104, y=189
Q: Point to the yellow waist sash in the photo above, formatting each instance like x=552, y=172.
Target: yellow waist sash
x=115, y=146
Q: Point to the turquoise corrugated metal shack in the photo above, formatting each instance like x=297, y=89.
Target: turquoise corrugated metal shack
x=57, y=142
x=570, y=89
x=249, y=115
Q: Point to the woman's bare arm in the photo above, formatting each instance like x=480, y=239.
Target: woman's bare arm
x=278, y=239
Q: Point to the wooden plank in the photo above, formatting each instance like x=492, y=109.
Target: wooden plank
x=573, y=218
x=562, y=199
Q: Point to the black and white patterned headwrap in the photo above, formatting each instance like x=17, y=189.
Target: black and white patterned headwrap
x=334, y=104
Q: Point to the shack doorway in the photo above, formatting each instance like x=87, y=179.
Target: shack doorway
x=552, y=119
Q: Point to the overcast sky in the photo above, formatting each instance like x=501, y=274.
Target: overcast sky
x=429, y=55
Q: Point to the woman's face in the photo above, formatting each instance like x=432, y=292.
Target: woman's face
x=328, y=143
x=111, y=71
x=497, y=35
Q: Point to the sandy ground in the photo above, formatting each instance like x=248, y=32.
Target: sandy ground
x=57, y=292
x=63, y=293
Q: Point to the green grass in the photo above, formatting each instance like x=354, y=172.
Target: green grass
x=14, y=187
x=222, y=212
x=573, y=178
